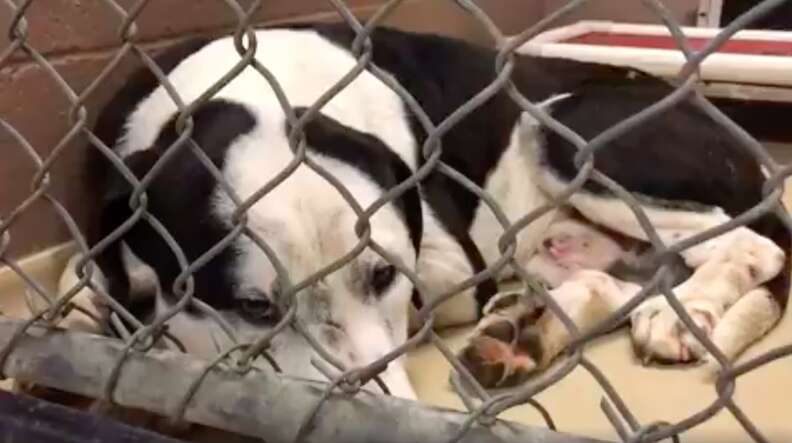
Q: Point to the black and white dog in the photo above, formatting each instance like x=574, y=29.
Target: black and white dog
x=689, y=175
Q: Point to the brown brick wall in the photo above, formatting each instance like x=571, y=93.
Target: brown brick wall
x=79, y=37
x=61, y=26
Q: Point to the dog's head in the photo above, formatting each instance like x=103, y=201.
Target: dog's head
x=301, y=234
x=355, y=301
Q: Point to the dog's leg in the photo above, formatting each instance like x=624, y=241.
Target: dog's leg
x=92, y=312
x=519, y=336
x=442, y=264
x=744, y=323
x=741, y=261
x=142, y=283
x=143, y=280
x=725, y=268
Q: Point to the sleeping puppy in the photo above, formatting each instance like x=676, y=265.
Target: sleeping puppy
x=292, y=223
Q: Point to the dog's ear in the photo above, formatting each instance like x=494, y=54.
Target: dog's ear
x=328, y=136
x=372, y=157
x=364, y=152
x=138, y=163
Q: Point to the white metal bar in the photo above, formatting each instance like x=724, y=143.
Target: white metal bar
x=766, y=70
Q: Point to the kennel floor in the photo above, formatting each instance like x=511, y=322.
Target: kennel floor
x=652, y=393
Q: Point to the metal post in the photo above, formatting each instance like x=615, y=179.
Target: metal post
x=258, y=404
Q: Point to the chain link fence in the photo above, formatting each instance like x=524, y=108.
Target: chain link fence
x=228, y=392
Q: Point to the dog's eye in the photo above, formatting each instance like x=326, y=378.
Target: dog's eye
x=257, y=309
x=382, y=278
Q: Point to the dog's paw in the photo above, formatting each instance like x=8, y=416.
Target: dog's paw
x=505, y=348
x=660, y=336
x=88, y=311
x=743, y=261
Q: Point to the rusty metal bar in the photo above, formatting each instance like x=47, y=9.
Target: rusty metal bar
x=258, y=404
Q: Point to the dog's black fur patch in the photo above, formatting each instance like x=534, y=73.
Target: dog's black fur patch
x=180, y=198
x=680, y=155
x=373, y=158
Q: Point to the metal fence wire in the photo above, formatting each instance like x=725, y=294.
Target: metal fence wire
x=225, y=393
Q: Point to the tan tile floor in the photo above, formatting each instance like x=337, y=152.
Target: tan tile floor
x=651, y=393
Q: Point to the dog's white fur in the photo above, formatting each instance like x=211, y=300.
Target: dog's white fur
x=309, y=225
x=737, y=266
